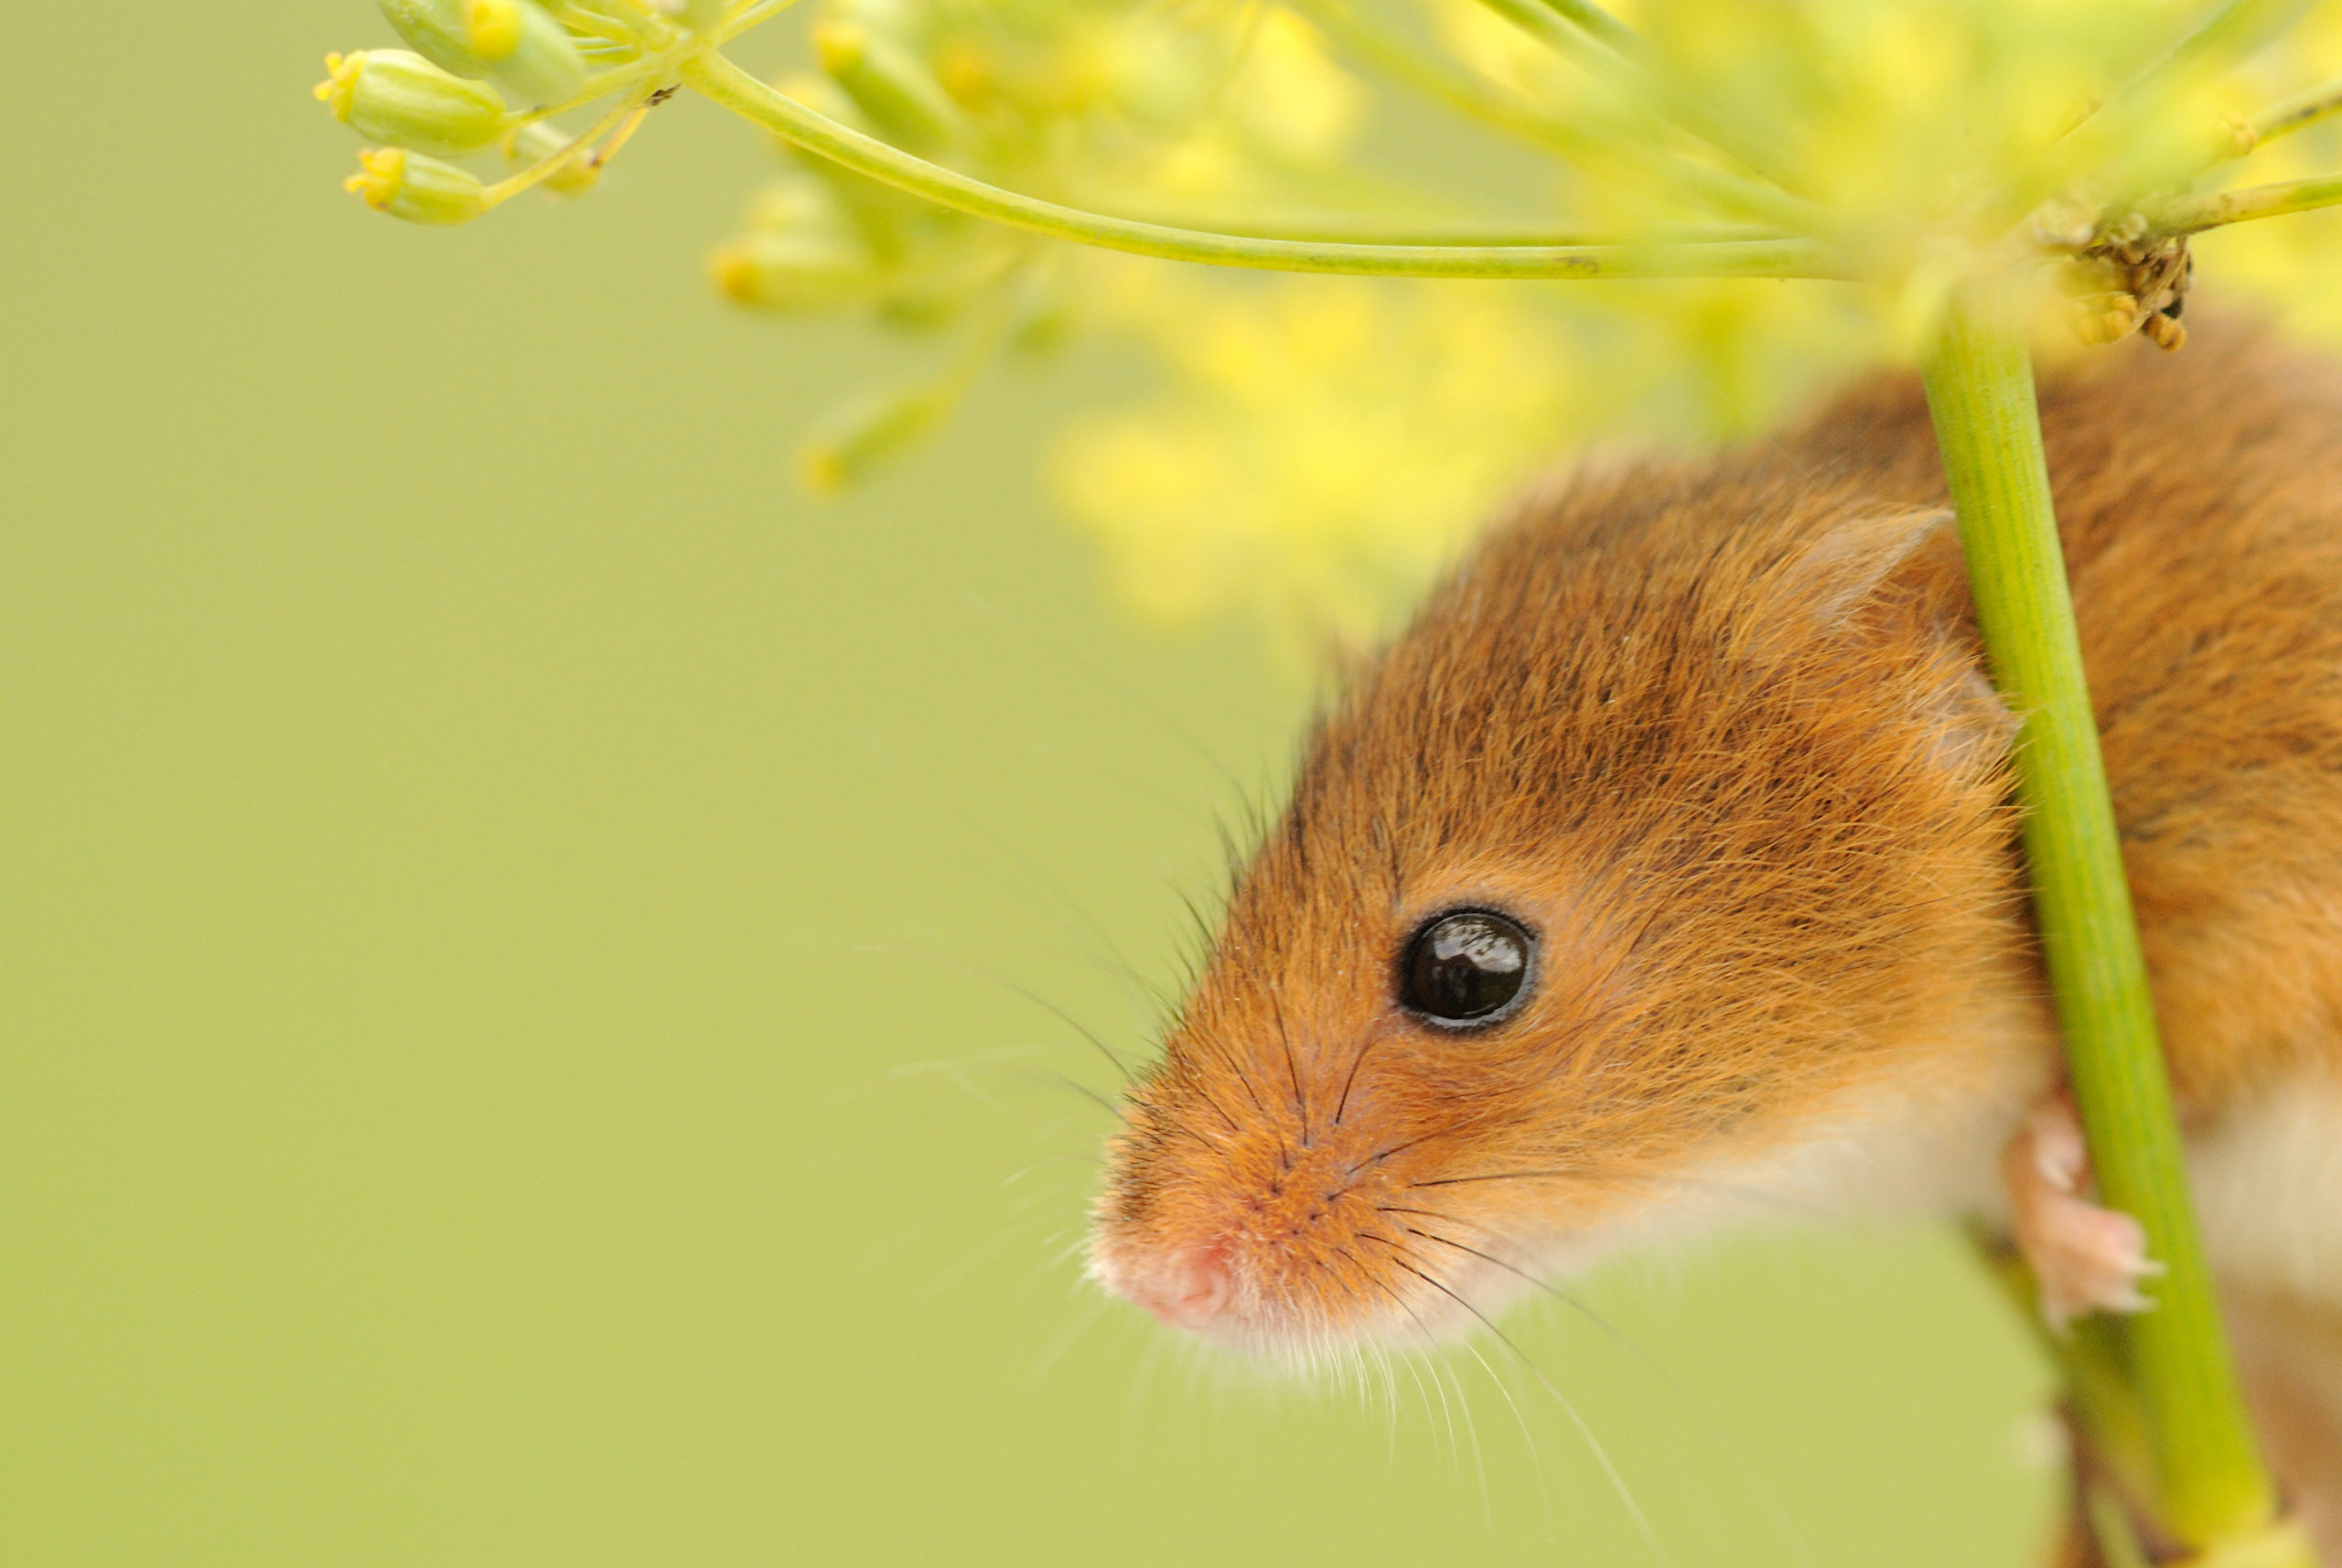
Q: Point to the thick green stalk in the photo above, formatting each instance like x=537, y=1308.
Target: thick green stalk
x=727, y=84
x=2213, y=1489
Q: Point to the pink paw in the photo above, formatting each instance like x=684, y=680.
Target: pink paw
x=2088, y=1258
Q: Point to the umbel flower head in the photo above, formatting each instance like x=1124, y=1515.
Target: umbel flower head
x=1318, y=445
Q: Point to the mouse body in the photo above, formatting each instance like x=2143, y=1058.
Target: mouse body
x=1664, y=872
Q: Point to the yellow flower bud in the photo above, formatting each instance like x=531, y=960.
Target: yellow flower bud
x=890, y=84
x=418, y=188
x=868, y=435
x=492, y=27
x=402, y=98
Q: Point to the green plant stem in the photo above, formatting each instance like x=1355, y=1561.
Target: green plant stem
x=1606, y=48
x=2284, y=118
x=2229, y=32
x=2190, y=214
x=2211, y=1486
x=735, y=89
x=1686, y=109
x=1332, y=226
x=2097, y=146
x=1415, y=66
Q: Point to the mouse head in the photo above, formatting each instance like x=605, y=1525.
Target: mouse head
x=1677, y=814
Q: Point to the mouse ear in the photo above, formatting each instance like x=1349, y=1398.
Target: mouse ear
x=1912, y=559
x=1826, y=581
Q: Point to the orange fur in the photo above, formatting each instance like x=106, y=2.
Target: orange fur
x=1718, y=735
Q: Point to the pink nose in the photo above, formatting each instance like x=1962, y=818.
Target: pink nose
x=1189, y=1291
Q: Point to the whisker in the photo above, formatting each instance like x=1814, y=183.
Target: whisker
x=1668, y=1180
x=1084, y=1030
x=1065, y=656
x=1356, y=1062
x=1222, y=1154
x=961, y=966
x=1782, y=1525
x=1601, y=1455
x=1496, y=1175
x=1083, y=1089
x=1114, y=959
x=1455, y=1450
x=1388, y=1150
x=1065, y=1341
x=1284, y=1038
x=1021, y=1172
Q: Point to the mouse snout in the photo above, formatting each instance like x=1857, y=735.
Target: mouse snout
x=1187, y=1290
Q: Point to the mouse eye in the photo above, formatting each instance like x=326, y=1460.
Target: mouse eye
x=1465, y=968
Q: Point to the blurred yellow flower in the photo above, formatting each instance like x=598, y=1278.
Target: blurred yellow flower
x=1324, y=445
x=1319, y=447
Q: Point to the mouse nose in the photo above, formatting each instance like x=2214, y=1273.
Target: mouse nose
x=1189, y=1289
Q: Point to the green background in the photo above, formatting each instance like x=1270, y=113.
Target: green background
x=510, y=1042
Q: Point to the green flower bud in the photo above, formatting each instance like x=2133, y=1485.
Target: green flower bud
x=869, y=434
x=936, y=285
x=418, y=188
x=803, y=250
x=541, y=140
x=517, y=42
x=890, y=84
x=402, y=98
x=794, y=272
x=436, y=28
x=529, y=54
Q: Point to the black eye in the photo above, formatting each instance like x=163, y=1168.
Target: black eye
x=1465, y=968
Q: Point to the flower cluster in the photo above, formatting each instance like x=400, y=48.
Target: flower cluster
x=1181, y=117
x=482, y=76
x=1320, y=445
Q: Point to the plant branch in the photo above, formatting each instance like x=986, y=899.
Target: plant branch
x=2191, y=214
x=2104, y=147
x=1334, y=226
x=736, y=89
x=1622, y=43
x=1414, y=65
x=1564, y=27
x=2284, y=118
x=2212, y=1489
x=754, y=16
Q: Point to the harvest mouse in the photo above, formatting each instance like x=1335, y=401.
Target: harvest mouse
x=1664, y=872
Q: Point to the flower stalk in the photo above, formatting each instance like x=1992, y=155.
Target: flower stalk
x=2192, y=214
x=2212, y=1492
x=728, y=85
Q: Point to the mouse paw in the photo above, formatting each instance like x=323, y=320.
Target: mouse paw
x=2088, y=1258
